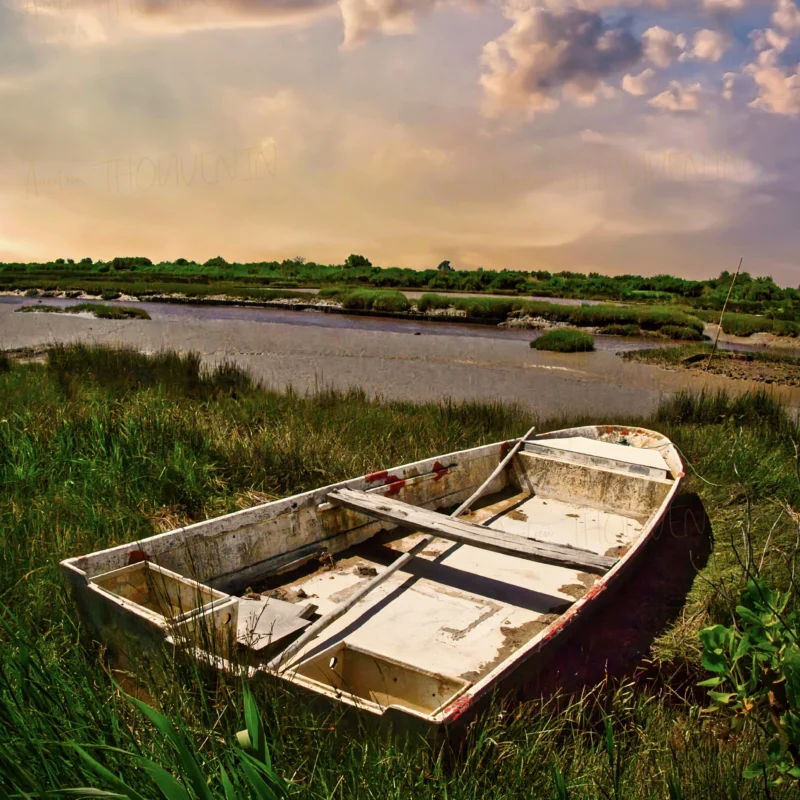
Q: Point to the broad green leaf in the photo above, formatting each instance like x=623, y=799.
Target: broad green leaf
x=259, y=787
x=255, y=727
x=169, y=785
x=188, y=762
x=107, y=775
x=723, y=698
x=715, y=637
x=227, y=786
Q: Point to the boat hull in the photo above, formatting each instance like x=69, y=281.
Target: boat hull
x=457, y=627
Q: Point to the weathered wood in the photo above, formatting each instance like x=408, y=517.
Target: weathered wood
x=263, y=623
x=420, y=519
x=331, y=617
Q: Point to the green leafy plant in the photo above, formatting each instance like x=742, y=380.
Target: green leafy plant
x=756, y=666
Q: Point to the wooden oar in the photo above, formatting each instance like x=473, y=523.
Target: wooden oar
x=332, y=616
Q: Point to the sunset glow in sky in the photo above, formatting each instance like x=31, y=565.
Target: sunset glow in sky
x=607, y=135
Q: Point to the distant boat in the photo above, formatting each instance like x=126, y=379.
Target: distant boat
x=480, y=605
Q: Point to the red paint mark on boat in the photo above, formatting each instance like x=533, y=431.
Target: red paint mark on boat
x=395, y=487
x=594, y=591
x=458, y=708
x=440, y=469
x=374, y=477
x=625, y=432
x=137, y=556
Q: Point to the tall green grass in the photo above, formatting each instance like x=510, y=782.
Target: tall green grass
x=99, y=447
x=672, y=322
x=368, y=299
x=748, y=324
x=566, y=340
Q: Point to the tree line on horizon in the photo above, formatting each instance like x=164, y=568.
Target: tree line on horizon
x=750, y=294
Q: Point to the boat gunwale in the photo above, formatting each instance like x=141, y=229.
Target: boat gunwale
x=274, y=509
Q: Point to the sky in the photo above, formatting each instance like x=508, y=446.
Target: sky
x=617, y=136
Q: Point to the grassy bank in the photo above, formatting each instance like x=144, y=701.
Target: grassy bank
x=367, y=299
x=97, y=309
x=564, y=341
x=748, y=324
x=762, y=367
x=99, y=447
x=671, y=323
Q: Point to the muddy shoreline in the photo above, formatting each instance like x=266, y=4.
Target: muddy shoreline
x=760, y=368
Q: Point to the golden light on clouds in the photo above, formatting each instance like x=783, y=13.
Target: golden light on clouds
x=592, y=136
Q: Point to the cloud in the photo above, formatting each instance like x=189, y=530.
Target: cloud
x=86, y=22
x=709, y=45
x=724, y=5
x=638, y=85
x=545, y=52
x=678, y=97
x=389, y=17
x=778, y=86
x=591, y=137
x=728, y=81
x=662, y=46
x=769, y=39
x=787, y=17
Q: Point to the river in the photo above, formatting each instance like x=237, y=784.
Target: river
x=396, y=359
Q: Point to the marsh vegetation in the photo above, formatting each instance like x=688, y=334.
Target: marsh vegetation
x=99, y=447
x=566, y=340
x=98, y=310
x=756, y=304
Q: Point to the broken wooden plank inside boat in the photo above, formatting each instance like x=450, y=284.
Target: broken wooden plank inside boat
x=303, y=589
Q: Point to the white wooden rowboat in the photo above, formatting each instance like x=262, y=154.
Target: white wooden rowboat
x=481, y=604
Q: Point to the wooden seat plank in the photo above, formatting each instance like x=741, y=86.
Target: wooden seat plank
x=455, y=530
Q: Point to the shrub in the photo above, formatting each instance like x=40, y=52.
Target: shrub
x=567, y=340
x=756, y=674
x=622, y=330
x=372, y=299
x=681, y=332
x=355, y=260
x=390, y=301
x=433, y=301
x=131, y=262
x=483, y=307
x=5, y=363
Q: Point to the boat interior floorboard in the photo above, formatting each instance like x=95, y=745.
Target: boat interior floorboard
x=462, y=608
